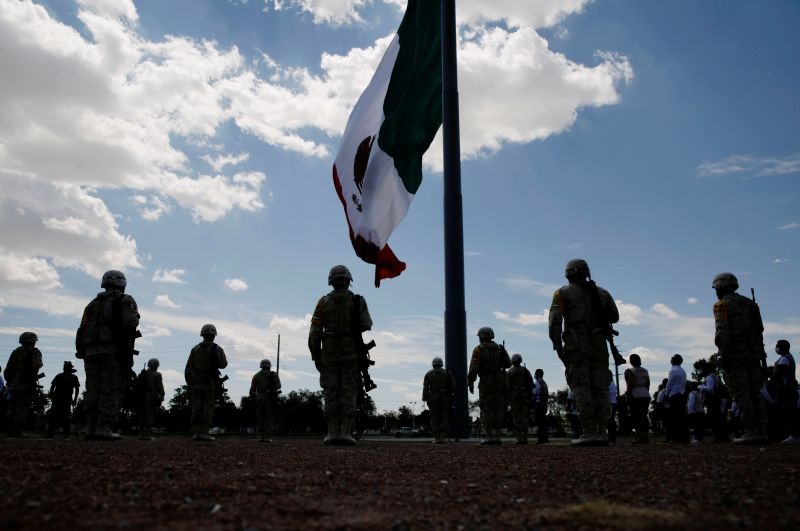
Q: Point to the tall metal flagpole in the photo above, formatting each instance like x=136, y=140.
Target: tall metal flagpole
x=455, y=316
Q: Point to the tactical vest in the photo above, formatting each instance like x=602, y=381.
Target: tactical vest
x=104, y=318
x=744, y=323
x=439, y=385
x=337, y=315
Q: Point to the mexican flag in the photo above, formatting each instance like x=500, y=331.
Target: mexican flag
x=378, y=168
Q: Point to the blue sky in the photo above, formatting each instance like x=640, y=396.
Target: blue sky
x=190, y=144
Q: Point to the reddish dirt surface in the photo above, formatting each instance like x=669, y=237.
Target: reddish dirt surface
x=174, y=483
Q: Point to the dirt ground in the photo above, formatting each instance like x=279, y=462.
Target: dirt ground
x=174, y=483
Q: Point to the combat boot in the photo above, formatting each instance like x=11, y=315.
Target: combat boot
x=750, y=437
x=104, y=433
x=333, y=431
x=346, y=432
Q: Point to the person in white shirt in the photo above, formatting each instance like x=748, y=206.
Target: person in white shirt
x=637, y=381
x=694, y=412
x=612, y=401
x=677, y=430
x=573, y=415
x=783, y=389
x=712, y=399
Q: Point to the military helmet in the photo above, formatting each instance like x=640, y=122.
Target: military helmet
x=265, y=364
x=577, y=268
x=725, y=280
x=208, y=330
x=339, y=271
x=516, y=359
x=485, y=332
x=113, y=279
x=437, y=363
x=28, y=337
x=153, y=363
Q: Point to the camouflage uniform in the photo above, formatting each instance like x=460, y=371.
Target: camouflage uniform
x=107, y=323
x=151, y=393
x=332, y=342
x=739, y=339
x=264, y=389
x=438, y=388
x=489, y=362
x=20, y=373
x=519, y=383
x=585, y=351
x=201, y=373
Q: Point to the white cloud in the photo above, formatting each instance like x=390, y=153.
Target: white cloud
x=517, y=13
x=781, y=261
x=629, y=314
x=157, y=208
x=334, y=12
x=569, y=246
x=235, y=284
x=664, y=311
x=529, y=285
x=749, y=167
x=537, y=92
x=282, y=322
x=220, y=161
x=692, y=300
x=169, y=276
x=524, y=319
x=165, y=302
x=57, y=225
x=789, y=226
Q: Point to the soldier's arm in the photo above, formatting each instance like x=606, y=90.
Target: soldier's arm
x=366, y=319
x=80, y=344
x=722, y=331
x=11, y=369
x=36, y=361
x=189, y=370
x=277, y=383
x=426, y=384
x=253, y=387
x=159, y=387
x=555, y=319
x=222, y=361
x=315, y=333
x=130, y=314
x=612, y=313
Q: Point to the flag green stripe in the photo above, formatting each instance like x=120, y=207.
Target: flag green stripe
x=413, y=105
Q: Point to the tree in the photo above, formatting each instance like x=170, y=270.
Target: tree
x=179, y=411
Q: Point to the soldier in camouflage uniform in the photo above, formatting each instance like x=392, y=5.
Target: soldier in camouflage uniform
x=438, y=390
x=519, y=386
x=21, y=378
x=264, y=389
x=202, y=375
x=64, y=394
x=739, y=338
x=339, y=317
x=107, y=327
x=150, y=387
x=586, y=311
x=489, y=362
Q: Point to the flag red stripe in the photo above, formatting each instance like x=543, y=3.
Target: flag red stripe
x=387, y=265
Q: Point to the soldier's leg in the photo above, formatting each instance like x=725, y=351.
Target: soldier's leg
x=579, y=376
x=349, y=388
x=195, y=397
x=108, y=396
x=329, y=382
x=92, y=367
x=435, y=424
x=736, y=378
x=444, y=419
x=260, y=417
x=486, y=414
x=209, y=396
x=755, y=382
x=18, y=410
x=599, y=384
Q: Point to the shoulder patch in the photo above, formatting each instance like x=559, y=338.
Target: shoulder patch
x=720, y=311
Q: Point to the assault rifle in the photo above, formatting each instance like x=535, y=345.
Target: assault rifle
x=764, y=370
x=219, y=384
x=364, y=363
x=362, y=349
x=610, y=334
